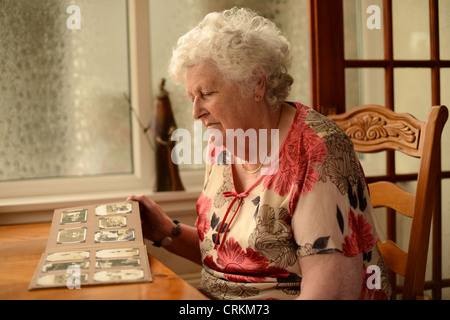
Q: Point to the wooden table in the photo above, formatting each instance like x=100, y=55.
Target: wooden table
x=21, y=247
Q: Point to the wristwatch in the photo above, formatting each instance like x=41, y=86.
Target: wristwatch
x=176, y=231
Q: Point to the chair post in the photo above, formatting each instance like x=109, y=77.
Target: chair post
x=425, y=202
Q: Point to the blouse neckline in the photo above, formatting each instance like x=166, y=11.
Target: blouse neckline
x=246, y=192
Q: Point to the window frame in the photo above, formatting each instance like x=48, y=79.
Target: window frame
x=34, y=200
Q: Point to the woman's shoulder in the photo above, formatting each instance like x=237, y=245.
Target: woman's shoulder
x=317, y=122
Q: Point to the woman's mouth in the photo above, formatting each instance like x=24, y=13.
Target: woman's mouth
x=210, y=125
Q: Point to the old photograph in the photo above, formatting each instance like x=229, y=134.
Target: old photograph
x=74, y=216
x=71, y=235
x=112, y=222
x=119, y=275
x=57, y=280
x=63, y=266
x=116, y=253
x=69, y=255
x=114, y=235
x=114, y=208
x=114, y=263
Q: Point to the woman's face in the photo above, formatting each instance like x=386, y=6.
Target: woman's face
x=217, y=102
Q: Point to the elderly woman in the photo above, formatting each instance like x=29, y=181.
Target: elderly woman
x=298, y=226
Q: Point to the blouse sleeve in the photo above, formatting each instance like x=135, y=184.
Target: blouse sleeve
x=336, y=215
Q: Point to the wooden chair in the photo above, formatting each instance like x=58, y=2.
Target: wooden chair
x=375, y=128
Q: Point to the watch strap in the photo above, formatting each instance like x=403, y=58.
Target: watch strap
x=176, y=231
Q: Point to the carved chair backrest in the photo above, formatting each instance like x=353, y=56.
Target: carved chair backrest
x=374, y=128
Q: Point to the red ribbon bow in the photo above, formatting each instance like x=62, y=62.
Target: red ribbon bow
x=237, y=196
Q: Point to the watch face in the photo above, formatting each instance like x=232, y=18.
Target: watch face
x=176, y=230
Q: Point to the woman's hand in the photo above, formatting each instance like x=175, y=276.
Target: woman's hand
x=156, y=225
x=155, y=222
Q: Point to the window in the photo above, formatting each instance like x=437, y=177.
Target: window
x=64, y=106
x=67, y=131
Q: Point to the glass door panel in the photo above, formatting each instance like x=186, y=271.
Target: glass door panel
x=363, y=29
x=364, y=86
x=412, y=94
x=444, y=29
x=445, y=100
x=411, y=29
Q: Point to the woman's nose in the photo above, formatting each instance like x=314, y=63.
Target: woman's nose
x=197, y=109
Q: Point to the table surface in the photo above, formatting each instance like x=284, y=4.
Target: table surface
x=21, y=247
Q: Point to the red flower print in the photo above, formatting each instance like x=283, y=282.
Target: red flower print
x=242, y=265
x=202, y=223
x=301, y=150
x=361, y=239
x=293, y=201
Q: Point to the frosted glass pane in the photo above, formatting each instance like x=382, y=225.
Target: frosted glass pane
x=363, y=29
x=291, y=16
x=411, y=29
x=412, y=94
x=444, y=29
x=62, y=106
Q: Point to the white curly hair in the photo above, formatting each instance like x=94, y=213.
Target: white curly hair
x=244, y=46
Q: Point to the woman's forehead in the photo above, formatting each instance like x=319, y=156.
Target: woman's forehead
x=201, y=75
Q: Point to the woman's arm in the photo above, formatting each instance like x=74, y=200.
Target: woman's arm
x=156, y=225
x=331, y=276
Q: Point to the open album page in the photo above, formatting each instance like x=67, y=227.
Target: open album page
x=94, y=245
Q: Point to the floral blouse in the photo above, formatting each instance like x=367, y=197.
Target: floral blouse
x=314, y=201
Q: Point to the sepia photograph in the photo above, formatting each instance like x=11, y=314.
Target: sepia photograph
x=119, y=275
x=69, y=255
x=72, y=235
x=114, y=263
x=116, y=253
x=63, y=266
x=57, y=280
x=114, y=208
x=112, y=222
x=74, y=216
x=114, y=235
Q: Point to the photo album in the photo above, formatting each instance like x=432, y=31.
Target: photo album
x=94, y=245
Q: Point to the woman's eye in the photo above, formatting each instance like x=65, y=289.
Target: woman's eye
x=207, y=94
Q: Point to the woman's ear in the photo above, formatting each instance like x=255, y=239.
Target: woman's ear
x=260, y=88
